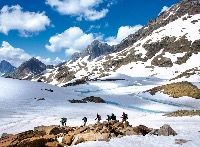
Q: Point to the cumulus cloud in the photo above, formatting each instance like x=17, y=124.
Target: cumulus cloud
x=123, y=32
x=13, y=55
x=79, y=8
x=72, y=40
x=27, y=23
x=165, y=8
x=17, y=56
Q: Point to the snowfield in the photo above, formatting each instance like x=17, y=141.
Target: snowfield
x=22, y=110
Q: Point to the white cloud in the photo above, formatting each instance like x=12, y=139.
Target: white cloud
x=123, y=32
x=17, y=56
x=93, y=27
x=79, y=8
x=27, y=23
x=13, y=55
x=165, y=8
x=72, y=40
x=49, y=61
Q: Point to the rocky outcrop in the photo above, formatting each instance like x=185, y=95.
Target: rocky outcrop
x=88, y=99
x=66, y=136
x=181, y=113
x=177, y=90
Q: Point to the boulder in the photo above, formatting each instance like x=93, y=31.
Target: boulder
x=126, y=124
x=90, y=137
x=129, y=133
x=154, y=132
x=45, y=129
x=67, y=139
x=52, y=144
x=58, y=130
x=141, y=130
x=5, y=135
x=78, y=140
x=166, y=130
x=94, y=99
x=33, y=142
x=83, y=129
x=118, y=124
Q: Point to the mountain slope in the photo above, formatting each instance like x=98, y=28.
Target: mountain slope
x=28, y=69
x=6, y=68
x=163, y=49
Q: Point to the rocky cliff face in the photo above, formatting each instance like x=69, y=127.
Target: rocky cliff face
x=6, y=68
x=162, y=47
x=96, y=49
x=28, y=69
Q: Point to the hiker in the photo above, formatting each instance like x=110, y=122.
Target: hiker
x=98, y=118
x=84, y=120
x=63, y=121
x=124, y=117
x=109, y=118
x=113, y=117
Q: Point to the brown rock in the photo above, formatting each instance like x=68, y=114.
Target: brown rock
x=83, y=129
x=141, y=129
x=52, y=144
x=118, y=124
x=126, y=124
x=78, y=140
x=129, y=133
x=91, y=137
x=68, y=139
x=45, y=129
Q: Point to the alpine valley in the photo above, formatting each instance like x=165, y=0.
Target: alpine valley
x=153, y=75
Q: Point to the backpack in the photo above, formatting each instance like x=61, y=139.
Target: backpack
x=126, y=116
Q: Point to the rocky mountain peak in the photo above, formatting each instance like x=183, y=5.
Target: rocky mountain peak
x=28, y=69
x=94, y=50
x=5, y=68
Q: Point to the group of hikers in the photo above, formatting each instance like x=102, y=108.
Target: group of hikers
x=98, y=118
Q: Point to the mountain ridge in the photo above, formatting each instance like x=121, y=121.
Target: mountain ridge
x=28, y=69
x=6, y=68
x=159, y=48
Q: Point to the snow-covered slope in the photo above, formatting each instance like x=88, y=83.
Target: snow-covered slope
x=163, y=49
x=21, y=108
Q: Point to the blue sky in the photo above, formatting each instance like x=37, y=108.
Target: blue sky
x=52, y=30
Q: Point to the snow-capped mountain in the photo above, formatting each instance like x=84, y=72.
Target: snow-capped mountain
x=28, y=69
x=6, y=68
x=167, y=45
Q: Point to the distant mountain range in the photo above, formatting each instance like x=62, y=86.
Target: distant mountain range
x=28, y=69
x=168, y=45
x=5, y=68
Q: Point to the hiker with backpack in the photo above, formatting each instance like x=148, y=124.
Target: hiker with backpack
x=113, y=117
x=109, y=118
x=84, y=121
x=63, y=121
x=124, y=117
x=98, y=118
